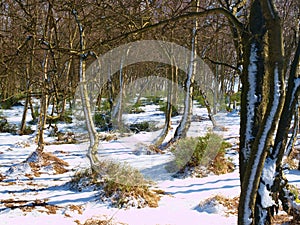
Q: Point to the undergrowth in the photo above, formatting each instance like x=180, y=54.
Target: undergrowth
x=206, y=152
x=119, y=183
x=6, y=127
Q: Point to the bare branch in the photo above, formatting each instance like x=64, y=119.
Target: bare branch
x=220, y=63
x=190, y=15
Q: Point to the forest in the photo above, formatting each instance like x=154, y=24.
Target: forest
x=215, y=81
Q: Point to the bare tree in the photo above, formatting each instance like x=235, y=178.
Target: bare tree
x=94, y=140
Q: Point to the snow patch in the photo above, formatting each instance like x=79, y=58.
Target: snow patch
x=212, y=206
x=251, y=95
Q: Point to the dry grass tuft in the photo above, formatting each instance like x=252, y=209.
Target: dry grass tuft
x=38, y=160
x=100, y=221
x=120, y=184
x=221, y=165
x=76, y=208
x=30, y=205
x=159, y=192
x=2, y=177
x=51, y=209
x=283, y=219
x=231, y=204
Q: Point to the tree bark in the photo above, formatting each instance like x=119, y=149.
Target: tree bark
x=93, y=136
x=258, y=172
x=168, y=113
x=184, y=125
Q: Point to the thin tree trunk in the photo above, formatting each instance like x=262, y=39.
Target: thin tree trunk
x=93, y=136
x=207, y=105
x=169, y=103
x=185, y=122
x=43, y=107
x=25, y=110
x=118, y=110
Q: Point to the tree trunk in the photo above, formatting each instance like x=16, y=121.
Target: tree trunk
x=207, y=105
x=169, y=103
x=118, y=110
x=93, y=136
x=25, y=110
x=43, y=107
x=257, y=172
x=185, y=122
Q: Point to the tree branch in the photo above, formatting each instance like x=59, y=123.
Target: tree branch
x=220, y=63
x=190, y=15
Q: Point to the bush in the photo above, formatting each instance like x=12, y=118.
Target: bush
x=12, y=101
x=104, y=106
x=103, y=121
x=200, y=100
x=207, y=151
x=27, y=130
x=5, y=127
x=122, y=184
x=61, y=118
x=156, y=100
x=135, y=108
x=143, y=126
x=163, y=107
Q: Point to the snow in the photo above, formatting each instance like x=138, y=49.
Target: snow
x=270, y=166
x=179, y=206
x=261, y=145
x=268, y=176
x=251, y=97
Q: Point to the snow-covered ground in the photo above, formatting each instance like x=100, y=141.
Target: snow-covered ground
x=55, y=203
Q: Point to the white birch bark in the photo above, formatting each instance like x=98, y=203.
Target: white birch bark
x=84, y=95
x=184, y=124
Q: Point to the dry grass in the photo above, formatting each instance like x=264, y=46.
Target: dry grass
x=30, y=205
x=293, y=159
x=159, y=192
x=37, y=160
x=155, y=149
x=108, y=137
x=124, y=183
x=231, y=204
x=282, y=219
x=221, y=165
x=52, y=209
x=76, y=208
x=121, y=184
x=122, y=197
x=100, y=221
x=2, y=177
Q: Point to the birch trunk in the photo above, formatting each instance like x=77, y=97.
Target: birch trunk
x=185, y=122
x=168, y=113
x=84, y=95
x=118, y=110
x=43, y=107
